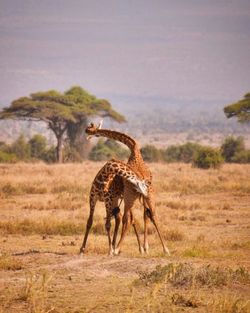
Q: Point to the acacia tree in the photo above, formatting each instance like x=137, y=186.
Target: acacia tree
x=61, y=112
x=85, y=102
x=240, y=109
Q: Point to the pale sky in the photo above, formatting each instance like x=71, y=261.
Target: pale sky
x=189, y=49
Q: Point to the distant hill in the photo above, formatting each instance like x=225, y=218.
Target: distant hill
x=157, y=120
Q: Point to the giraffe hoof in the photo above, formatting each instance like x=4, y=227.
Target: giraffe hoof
x=117, y=251
x=111, y=252
x=166, y=251
x=146, y=248
x=81, y=253
x=141, y=249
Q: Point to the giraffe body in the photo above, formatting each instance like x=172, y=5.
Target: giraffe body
x=108, y=187
x=140, y=168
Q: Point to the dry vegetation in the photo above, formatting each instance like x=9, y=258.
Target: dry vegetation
x=204, y=216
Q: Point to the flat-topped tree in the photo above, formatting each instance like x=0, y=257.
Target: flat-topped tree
x=85, y=102
x=240, y=109
x=61, y=111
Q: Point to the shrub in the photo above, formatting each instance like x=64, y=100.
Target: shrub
x=7, y=157
x=231, y=147
x=151, y=154
x=242, y=157
x=50, y=155
x=186, y=275
x=105, y=150
x=208, y=157
x=188, y=151
x=172, y=154
x=38, y=145
x=21, y=148
x=182, y=153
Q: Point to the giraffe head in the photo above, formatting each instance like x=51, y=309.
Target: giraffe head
x=92, y=129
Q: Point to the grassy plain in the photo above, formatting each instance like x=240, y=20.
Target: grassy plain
x=204, y=216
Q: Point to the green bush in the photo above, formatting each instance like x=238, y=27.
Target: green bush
x=242, y=157
x=49, y=155
x=182, y=153
x=188, y=151
x=151, y=154
x=208, y=157
x=21, y=148
x=105, y=150
x=172, y=154
x=231, y=147
x=6, y=157
x=38, y=145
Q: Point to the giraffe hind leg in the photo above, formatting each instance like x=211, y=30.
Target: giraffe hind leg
x=89, y=223
x=108, y=228
x=117, y=214
x=153, y=220
x=147, y=215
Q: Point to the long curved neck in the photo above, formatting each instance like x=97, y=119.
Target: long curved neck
x=135, y=160
x=123, y=138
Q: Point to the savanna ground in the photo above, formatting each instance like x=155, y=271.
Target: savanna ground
x=204, y=216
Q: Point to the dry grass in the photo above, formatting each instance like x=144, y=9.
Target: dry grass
x=9, y=263
x=204, y=217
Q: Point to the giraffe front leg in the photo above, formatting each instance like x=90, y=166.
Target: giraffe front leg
x=129, y=199
x=125, y=227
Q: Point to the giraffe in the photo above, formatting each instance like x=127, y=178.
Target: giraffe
x=143, y=172
x=108, y=187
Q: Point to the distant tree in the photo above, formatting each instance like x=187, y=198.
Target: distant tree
x=62, y=112
x=240, y=109
x=90, y=105
x=231, y=147
x=38, y=145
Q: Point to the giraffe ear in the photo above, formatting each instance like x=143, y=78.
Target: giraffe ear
x=100, y=124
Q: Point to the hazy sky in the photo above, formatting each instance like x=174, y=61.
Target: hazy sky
x=190, y=49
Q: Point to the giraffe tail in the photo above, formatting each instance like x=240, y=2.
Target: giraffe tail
x=141, y=187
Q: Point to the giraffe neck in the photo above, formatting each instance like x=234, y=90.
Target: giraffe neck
x=123, y=138
x=135, y=159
